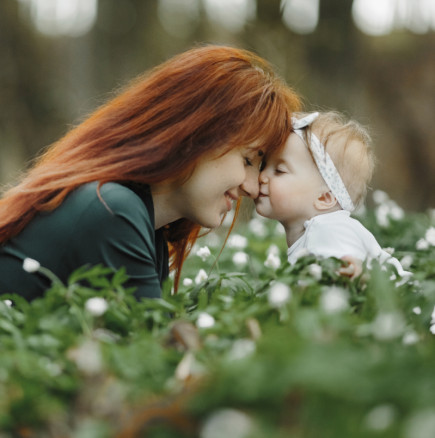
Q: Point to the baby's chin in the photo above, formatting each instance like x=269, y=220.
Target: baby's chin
x=259, y=212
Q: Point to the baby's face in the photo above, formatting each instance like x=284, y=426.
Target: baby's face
x=289, y=184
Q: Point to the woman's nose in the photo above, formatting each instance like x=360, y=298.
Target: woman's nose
x=250, y=186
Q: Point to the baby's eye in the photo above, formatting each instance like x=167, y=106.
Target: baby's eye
x=279, y=170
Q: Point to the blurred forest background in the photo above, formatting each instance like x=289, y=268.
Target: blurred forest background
x=372, y=59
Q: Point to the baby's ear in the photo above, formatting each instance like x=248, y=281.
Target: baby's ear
x=325, y=201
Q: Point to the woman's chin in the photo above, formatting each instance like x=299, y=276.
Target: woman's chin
x=212, y=223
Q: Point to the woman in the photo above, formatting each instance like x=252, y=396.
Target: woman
x=146, y=171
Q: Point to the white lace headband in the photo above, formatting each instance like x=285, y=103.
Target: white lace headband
x=323, y=162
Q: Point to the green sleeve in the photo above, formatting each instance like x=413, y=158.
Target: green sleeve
x=116, y=230
x=120, y=233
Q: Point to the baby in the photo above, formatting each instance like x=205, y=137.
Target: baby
x=313, y=184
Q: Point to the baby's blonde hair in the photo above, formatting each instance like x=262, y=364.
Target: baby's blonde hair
x=349, y=145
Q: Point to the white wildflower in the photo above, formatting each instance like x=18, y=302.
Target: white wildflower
x=303, y=283
x=420, y=424
x=334, y=300
x=237, y=241
x=257, y=227
x=432, y=329
x=315, y=271
x=432, y=317
x=201, y=276
x=205, y=320
x=87, y=357
x=396, y=212
x=382, y=213
x=410, y=338
x=229, y=423
x=203, y=252
x=240, y=258
x=273, y=249
x=31, y=265
x=8, y=303
x=380, y=418
x=272, y=261
x=406, y=261
x=96, y=306
x=241, y=348
x=417, y=310
x=187, y=281
x=388, y=325
x=422, y=244
x=379, y=196
x=279, y=294
x=430, y=236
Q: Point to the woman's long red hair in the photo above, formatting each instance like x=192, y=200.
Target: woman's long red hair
x=205, y=99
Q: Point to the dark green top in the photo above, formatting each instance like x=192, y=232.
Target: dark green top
x=82, y=230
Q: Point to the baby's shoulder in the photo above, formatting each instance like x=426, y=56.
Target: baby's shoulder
x=334, y=225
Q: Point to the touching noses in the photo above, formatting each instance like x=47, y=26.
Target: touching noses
x=262, y=178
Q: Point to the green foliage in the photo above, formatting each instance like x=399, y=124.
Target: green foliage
x=253, y=349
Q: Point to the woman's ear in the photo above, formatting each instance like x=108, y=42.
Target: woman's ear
x=325, y=201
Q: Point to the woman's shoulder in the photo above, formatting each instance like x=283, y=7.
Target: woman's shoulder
x=112, y=199
x=112, y=192
x=115, y=195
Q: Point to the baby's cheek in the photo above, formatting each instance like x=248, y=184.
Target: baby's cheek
x=282, y=202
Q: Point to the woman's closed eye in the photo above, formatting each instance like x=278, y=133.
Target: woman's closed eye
x=248, y=162
x=254, y=162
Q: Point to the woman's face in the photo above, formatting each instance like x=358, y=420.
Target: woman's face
x=217, y=182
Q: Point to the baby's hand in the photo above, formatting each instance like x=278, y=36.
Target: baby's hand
x=353, y=267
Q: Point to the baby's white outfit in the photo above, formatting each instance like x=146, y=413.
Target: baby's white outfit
x=336, y=234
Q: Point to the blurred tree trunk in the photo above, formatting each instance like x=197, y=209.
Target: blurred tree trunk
x=332, y=54
x=400, y=82
x=27, y=109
